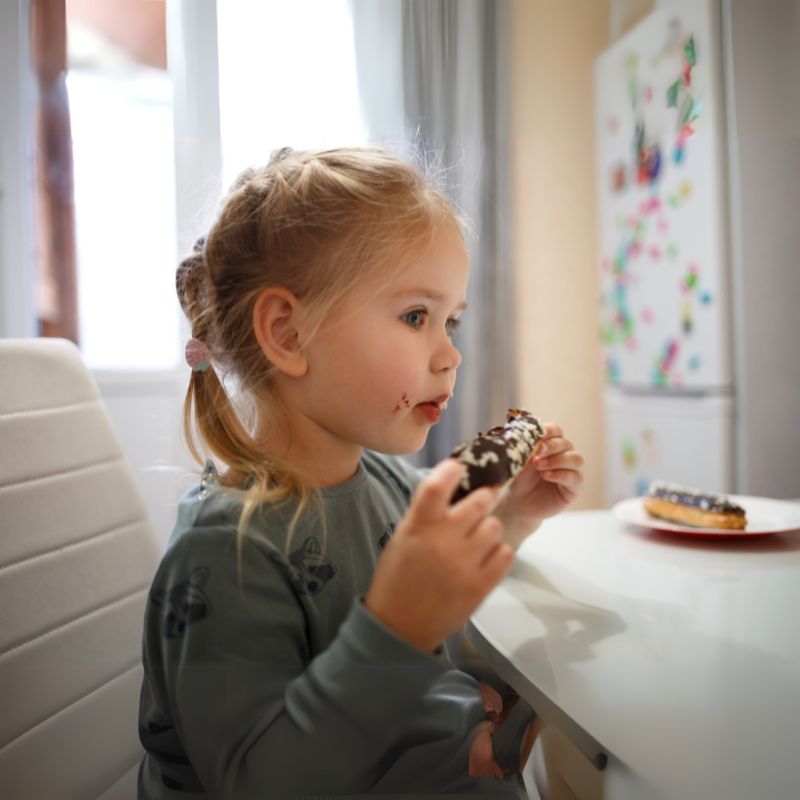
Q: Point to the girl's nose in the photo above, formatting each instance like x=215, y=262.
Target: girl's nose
x=446, y=357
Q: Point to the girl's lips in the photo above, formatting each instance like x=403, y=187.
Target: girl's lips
x=431, y=411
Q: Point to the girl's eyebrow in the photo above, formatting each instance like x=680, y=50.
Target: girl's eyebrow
x=428, y=294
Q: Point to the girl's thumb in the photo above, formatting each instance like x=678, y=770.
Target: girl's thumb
x=436, y=488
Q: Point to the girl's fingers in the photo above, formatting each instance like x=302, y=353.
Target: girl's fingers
x=552, y=429
x=492, y=701
x=568, y=478
x=475, y=506
x=497, y=562
x=553, y=446
x=432, y=499
x=570, y=459
x=488, y=531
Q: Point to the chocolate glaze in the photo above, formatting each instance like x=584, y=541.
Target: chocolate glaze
x=705, y=501
x=498, y=455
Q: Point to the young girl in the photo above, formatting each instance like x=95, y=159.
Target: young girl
x=300, y=631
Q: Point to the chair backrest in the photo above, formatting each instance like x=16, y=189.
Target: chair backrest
x=77, y=553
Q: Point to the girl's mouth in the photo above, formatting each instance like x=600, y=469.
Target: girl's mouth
x=431, y=411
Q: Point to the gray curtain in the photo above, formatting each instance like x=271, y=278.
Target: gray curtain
x=433, y=81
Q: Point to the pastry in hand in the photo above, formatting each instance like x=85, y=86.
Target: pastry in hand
x=495, y=457
x=687, y=506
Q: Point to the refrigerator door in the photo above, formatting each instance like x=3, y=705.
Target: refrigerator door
x=660, y=156
x=683, y=439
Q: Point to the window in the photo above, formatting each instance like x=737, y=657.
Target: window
x=287, y=77
x=120, y=99
x=120, y=280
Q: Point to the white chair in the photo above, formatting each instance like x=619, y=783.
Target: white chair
x=76, y=557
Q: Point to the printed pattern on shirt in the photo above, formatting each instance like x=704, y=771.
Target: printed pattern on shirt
x=182, y=605
x=387, y=534
x=310, y=569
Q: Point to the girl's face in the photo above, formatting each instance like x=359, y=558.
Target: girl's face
x=382, y=368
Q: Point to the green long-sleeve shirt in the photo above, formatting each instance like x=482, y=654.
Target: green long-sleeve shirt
x=271, y=680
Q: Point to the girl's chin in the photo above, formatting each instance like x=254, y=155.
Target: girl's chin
x=406, y=445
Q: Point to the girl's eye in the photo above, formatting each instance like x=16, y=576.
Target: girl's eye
x=415, y=318
x=452, y=326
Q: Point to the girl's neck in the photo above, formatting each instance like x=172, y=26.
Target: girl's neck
x=321, y=458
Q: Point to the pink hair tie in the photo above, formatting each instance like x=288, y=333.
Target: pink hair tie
x=197, y=355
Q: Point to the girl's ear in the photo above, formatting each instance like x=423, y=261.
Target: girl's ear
x=277, y=322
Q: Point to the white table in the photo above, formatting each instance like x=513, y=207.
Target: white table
x=675, y=659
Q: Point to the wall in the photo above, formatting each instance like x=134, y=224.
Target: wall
x=763, y=104
x=553, y=46
x=18, y=91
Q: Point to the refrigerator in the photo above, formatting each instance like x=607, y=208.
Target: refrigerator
x=665, y=299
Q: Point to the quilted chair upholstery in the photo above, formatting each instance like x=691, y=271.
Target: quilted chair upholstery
x=77, y=553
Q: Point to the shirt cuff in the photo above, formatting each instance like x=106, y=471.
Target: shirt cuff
x=367, y=627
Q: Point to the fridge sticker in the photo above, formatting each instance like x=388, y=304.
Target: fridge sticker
x=639, y=453
x=649, y=454
x=690, y=280
x=612, y=371
x=653, y=203
x=664, y=364
x=687, y=318
x=648, y=157
x=619, y=178
x=628, y=455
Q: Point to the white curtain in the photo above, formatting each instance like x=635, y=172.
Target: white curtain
x=433, y=83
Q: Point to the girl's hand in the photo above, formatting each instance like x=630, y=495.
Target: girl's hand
x=546, y=485
x=441, y=561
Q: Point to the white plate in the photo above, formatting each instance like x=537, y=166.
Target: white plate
x=764, y=517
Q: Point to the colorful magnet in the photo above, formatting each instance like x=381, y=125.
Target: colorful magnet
x=689, y=52
x=649, y=452
x=672, y=94
x=612, y=371
x=628, y=455
x=687, y=319
x=618, y=178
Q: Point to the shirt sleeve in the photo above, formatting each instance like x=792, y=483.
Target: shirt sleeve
x=256, y=715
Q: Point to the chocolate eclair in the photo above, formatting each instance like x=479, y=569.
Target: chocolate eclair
x=495, y=457
x=688, y=506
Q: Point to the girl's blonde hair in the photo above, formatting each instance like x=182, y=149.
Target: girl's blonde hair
x=315, y=223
